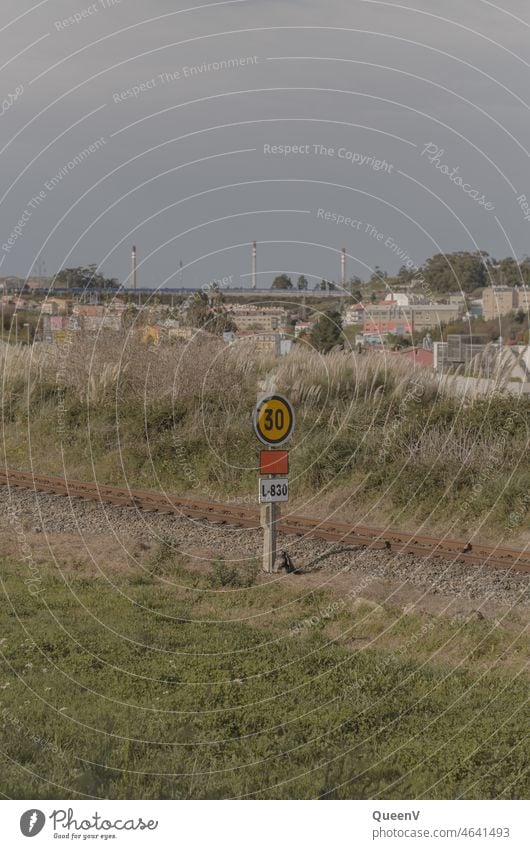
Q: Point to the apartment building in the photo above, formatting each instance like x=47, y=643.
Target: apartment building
x=266, y=320
x=391, y=318
x=523, y=299
x=498, y=301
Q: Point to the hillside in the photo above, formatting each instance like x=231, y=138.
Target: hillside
x=375, y=439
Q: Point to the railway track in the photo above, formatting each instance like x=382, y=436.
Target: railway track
x=513, y=559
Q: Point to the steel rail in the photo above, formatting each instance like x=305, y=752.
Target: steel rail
x=466, y=551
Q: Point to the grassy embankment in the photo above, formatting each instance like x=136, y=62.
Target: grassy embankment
x=375, y=440
x=161, y=682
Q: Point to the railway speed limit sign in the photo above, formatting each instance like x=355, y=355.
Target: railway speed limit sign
x=274, y=420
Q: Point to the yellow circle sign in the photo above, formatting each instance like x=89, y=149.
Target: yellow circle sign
x=274, y=420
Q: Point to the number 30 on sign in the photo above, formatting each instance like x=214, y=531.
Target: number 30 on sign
x=274, y=420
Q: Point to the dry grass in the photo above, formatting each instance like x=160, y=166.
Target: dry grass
x=179, y=416
x=312, y=378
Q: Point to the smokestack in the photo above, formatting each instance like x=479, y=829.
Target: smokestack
x=343, y=269
x=133, y=267
x=254, y=264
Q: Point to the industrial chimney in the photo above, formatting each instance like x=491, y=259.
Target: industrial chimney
x=133, y=267
x=343, y=269
x=254, y=264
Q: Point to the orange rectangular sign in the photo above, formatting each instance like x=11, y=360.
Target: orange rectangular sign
x=274, y=462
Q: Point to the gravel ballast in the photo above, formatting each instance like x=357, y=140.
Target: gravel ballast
x=52, y=515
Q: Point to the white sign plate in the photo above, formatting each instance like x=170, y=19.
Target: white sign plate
x=273, y=490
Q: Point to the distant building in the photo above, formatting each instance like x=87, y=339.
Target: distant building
x=266, y=343
x=354, y=314
x=461, y=348
x=404, y=299
x=523, y=299
x=33, y=283
x=12, y=284
x=391, y=318
x=93, y=317
x=302, y=327
x=265, y=320
x=275, y=344
x=433, y=315
x=417, y=356
x=498, y=301
x=476, y=309
x=286, y=346
x=167, y=331
x=503, y=368
x=439, y=355
x=55, y=329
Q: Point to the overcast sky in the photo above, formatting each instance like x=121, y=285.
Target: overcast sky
x=183, y=104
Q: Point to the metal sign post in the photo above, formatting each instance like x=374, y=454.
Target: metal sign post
x=273, y=424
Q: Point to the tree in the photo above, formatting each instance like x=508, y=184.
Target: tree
x=302, y=284
x=405, y=275
x=131, y=316
x=355, y=284
x=198, y=310
x=327, y=331
x=7, y=317
x=524, y=268
x=200, y=314
x=460, y=271
x=215, y=295
x=220, y=322
x=283, y=281
x=378, y=275
x=84, y=278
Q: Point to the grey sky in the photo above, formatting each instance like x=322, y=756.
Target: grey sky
x=377, y=81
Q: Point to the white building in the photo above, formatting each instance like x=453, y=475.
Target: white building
x=404, y=299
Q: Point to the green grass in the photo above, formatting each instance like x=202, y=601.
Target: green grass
x=132, y=688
